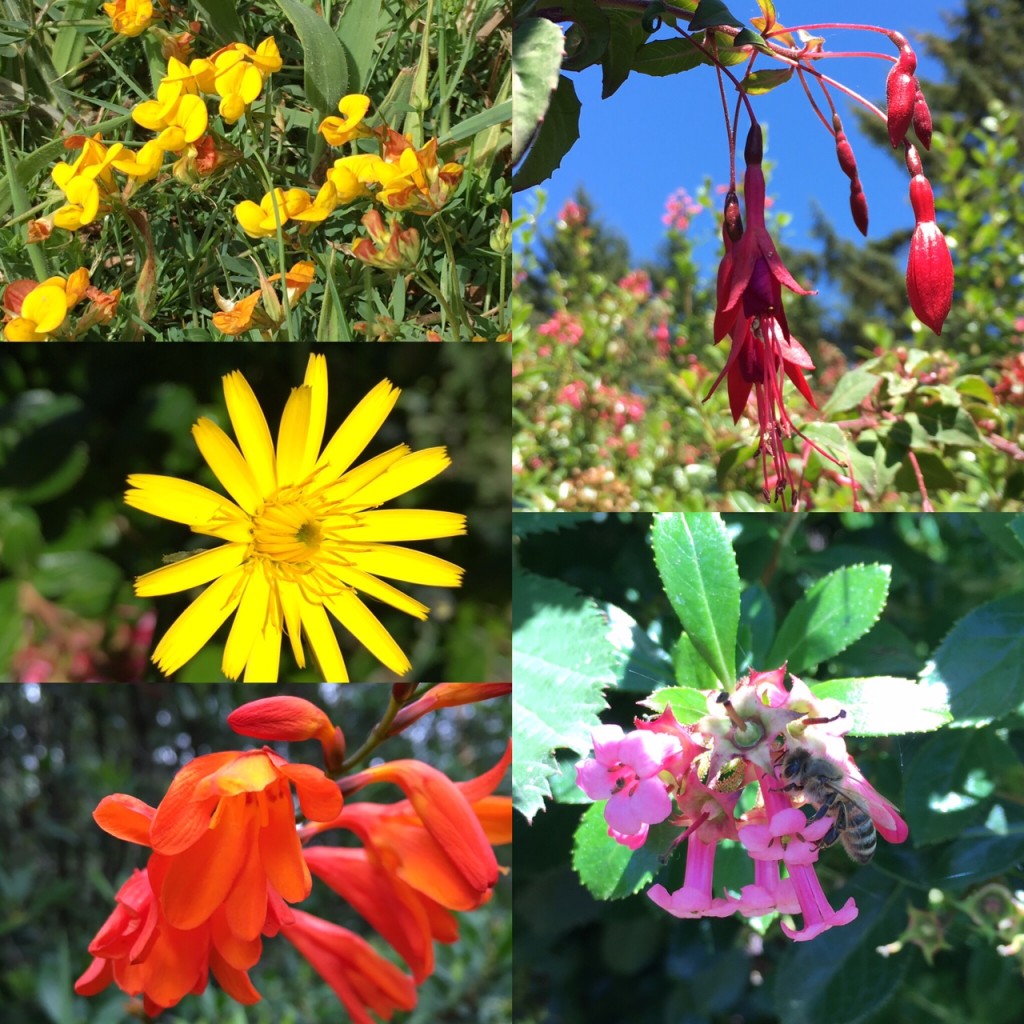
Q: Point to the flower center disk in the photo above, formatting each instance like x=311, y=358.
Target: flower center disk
x=287, y=532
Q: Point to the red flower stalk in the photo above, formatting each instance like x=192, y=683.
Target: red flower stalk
x=929, y=266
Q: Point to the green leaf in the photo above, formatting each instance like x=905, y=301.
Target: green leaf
x=757, y=625
x=587, y=38
x=851, y=389
x=324, y=61
x=711, y=13
x=627, y=35
x=498, y=114
x=555, y=137
x=537, y=47
x=222, y=18
x=21, y=538
x=668, y=57
x=689, y=667
x=608, y=869
x=358, y=27
x=687, y=704
x=840, y=608
x=697, y=566
x=640, y=664
x=81, y=581
x=10, y=625
x=1016, y=527
x=981, y=662
x=561, y=662
x=886, y=705
x=759, y=82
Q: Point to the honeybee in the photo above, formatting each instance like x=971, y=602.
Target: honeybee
x=822, y=783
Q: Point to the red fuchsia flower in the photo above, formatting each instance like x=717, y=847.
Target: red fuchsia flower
x=625, y=771
x=562, y=326
x=360, y=977
x=929, y=266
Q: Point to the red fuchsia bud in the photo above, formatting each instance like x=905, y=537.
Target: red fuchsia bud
x=859, y=206
x=913, y=160
x=930, y=266
x=900, y=93
x=922, y=119
x=732, y=224
x=753, y=151
x=847, y=161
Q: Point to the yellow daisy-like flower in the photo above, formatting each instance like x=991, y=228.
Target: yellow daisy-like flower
x=303, y=534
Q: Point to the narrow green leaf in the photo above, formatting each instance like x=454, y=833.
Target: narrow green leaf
x=887, y=705
x=838, y=609
x=561, y=661
x=222, y=17
x=690, y=669
x=537, y=47
x=357, y=30
x=981, y=662
x=324, y=61
x=757, y=625
x=498, y=114
x=1016, y=527
x=697, y=566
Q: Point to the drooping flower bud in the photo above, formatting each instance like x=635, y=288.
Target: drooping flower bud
x=848, y=162
x=732, y=222
x=922, y=119
x=900, y=94
x=930, y=266
x=859, y=206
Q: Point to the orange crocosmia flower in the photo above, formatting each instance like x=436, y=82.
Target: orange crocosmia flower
x=281, y=718
x=360, y=977
x=143, y=955
x=446, y=695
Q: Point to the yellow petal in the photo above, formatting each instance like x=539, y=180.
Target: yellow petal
x=252, y=219
x=404, y=476
x=291, y=610
x=360, y=477
x=316, y=378
x=21, y=329
x=190, y=572
x=317, y=627
x=181, y=501
x=406, y=524
x=251, y=428
x=227, y=463
x=46, y=306
x=381, y=591
x=264, y=662
x=249, y=621
x=198, y=622
x=367, y=629
x=292, y=437
x=408, y=565
x=359, y=427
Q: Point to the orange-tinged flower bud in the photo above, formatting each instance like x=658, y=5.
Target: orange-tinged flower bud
x=282, y=718
x=446, y=695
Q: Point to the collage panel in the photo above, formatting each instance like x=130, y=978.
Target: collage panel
x=151, y=866
x=267, y=513
x=768, y=767
x=272, y=171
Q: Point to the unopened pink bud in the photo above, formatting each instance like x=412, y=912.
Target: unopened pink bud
x=900, y=93
x=922, y=119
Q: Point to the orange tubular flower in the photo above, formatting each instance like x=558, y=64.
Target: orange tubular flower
x=360, y=977
x=446, y=695
x=290, y=719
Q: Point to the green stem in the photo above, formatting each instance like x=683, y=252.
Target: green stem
x=452, y=265
x=429, y=285
x=378, y=734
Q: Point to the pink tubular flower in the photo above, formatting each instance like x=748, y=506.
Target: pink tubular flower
x=814, y=906
x=694, y=899
x=624, y=771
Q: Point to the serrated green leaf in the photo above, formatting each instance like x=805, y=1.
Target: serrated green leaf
x=555, y=137
x=537, y=47
x=561, y=663
x=697, y=566
x=609, y=870
x=687, y=704
x=1016, y=527
x=887, y=705
x=711, y=13
x=981, y=662
x=627, y=35
x=838, y=609
x=324, y=61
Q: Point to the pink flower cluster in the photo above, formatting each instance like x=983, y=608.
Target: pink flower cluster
x=638, y=284
x=618, y=407
x=564, y=327
x=692, y=776
x=571, y=215
x=680, y=208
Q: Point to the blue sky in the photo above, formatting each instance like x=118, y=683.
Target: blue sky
x=658, y=134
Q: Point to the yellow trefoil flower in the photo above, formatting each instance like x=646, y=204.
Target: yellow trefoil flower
x=281, y=206
x=45, y=307
x=237, y=317
x=179, y=122
x=303, y=534
x=129, y=17
x=339, y=130
x=237, y=82
x=86, y=183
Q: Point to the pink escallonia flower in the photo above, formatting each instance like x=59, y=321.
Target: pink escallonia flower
x=694, y=899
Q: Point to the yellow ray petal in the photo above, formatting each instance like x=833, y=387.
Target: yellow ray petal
x=363, y=475
x=318, y=629
x=226, y=461
x=359, y=427
x=198, y=622
x=367, y=629
x=250, y=620
x=291, y=610
x=264, y=662
x=178, y=500
x=405, y=475
x=373, y=587
x=292, y=437
x=407, y=565
x=190, y=572
x=316, y=378
x=406, y=524
x=250, y=426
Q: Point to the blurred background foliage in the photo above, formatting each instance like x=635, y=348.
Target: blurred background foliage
x=614, y=360
x=63, y=748
x=943, y=898
x=75, y=422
